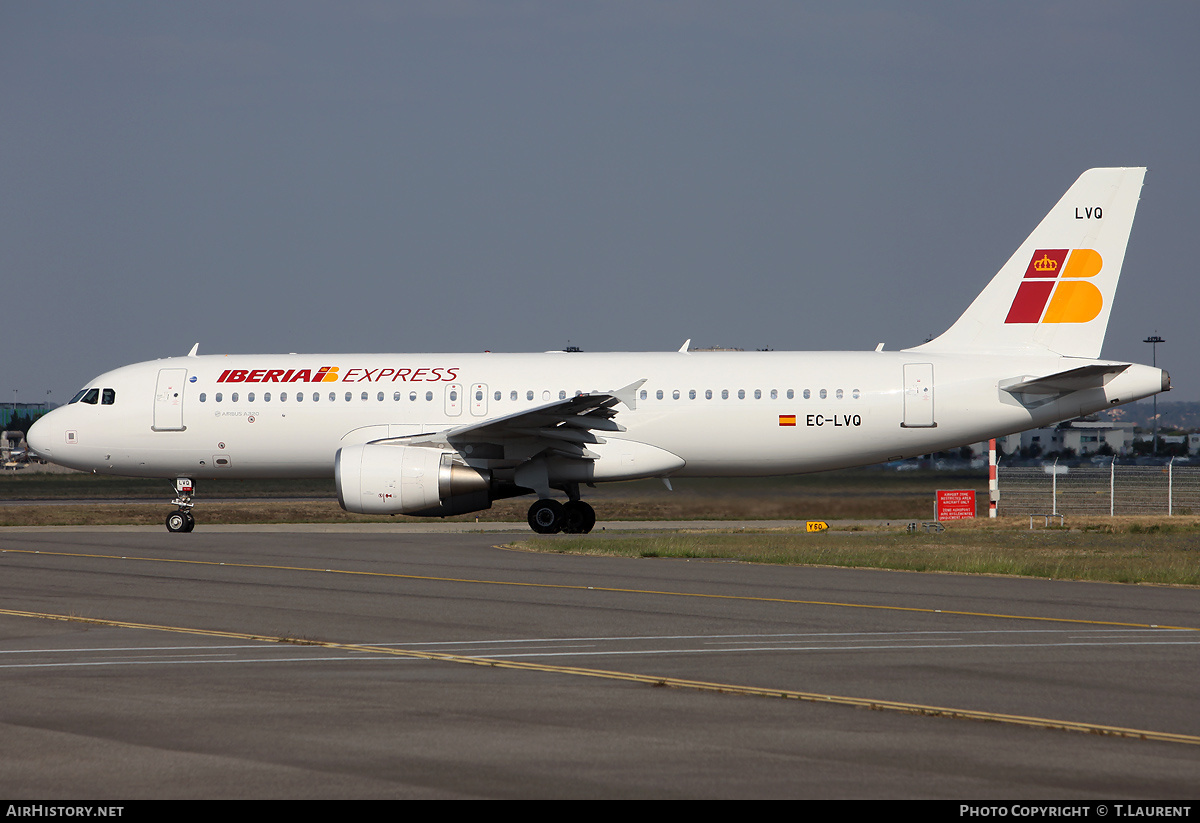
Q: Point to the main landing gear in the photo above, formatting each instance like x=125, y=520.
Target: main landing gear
x=182, y=520
x=548, y=516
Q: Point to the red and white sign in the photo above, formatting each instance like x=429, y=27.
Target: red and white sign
x=955, y=504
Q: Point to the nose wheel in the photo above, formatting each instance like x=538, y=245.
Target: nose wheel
x=182, y=520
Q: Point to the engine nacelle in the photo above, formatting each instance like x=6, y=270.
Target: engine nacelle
x=380, y=478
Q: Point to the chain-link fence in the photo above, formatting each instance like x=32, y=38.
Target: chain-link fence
x=1099, y=490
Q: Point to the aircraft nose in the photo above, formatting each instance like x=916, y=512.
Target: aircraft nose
x=38, y=436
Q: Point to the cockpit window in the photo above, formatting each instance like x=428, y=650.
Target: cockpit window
x=108, y=397
x=78, y=396
x=91, y=396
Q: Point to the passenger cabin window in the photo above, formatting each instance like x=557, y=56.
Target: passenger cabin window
x=203, y=397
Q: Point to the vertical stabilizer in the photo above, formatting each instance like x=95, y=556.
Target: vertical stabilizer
x=1055, y=293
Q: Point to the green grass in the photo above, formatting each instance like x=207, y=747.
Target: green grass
x=1166, y=556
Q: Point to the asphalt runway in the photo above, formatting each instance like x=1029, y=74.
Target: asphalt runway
x=287, y=663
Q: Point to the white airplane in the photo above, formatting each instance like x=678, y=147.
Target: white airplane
x=443, y=434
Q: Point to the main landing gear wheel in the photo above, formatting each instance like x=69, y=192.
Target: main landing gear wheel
x=546, y=516
x=180, y=521
x=578, y=517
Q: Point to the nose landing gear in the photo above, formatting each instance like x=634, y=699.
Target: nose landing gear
x=182, y=520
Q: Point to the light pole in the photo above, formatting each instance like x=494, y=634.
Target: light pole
x=1154, y=340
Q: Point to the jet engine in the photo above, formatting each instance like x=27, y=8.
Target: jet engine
x=382, y=478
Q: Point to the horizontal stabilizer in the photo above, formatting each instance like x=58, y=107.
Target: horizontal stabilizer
x=1064, y=382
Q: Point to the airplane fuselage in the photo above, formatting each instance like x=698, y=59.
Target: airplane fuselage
x=719, y=413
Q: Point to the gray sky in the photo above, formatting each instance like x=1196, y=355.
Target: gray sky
x=460, y=176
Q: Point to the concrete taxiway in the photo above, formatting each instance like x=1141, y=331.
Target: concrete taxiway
x=242, y=662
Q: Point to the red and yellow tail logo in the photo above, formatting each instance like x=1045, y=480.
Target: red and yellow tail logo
x=1054, y=291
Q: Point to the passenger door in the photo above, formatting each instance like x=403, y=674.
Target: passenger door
x=168, y=400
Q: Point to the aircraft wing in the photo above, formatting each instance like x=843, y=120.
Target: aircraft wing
x=564, y=427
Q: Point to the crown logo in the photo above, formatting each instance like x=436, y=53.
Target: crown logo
x=1045, y=264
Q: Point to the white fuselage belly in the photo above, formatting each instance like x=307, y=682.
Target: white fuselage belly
x=863, y=417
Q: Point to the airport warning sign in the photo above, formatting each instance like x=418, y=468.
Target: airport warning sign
x=955, y=504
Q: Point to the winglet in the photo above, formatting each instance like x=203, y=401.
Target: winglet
x=195, y=349
x=628, y=395
x=683, y=349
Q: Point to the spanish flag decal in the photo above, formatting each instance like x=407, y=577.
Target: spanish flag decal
x=787, y=419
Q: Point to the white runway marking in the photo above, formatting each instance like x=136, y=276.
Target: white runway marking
x=639, y=646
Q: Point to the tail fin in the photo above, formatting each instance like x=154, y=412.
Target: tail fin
x=1055, y=293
